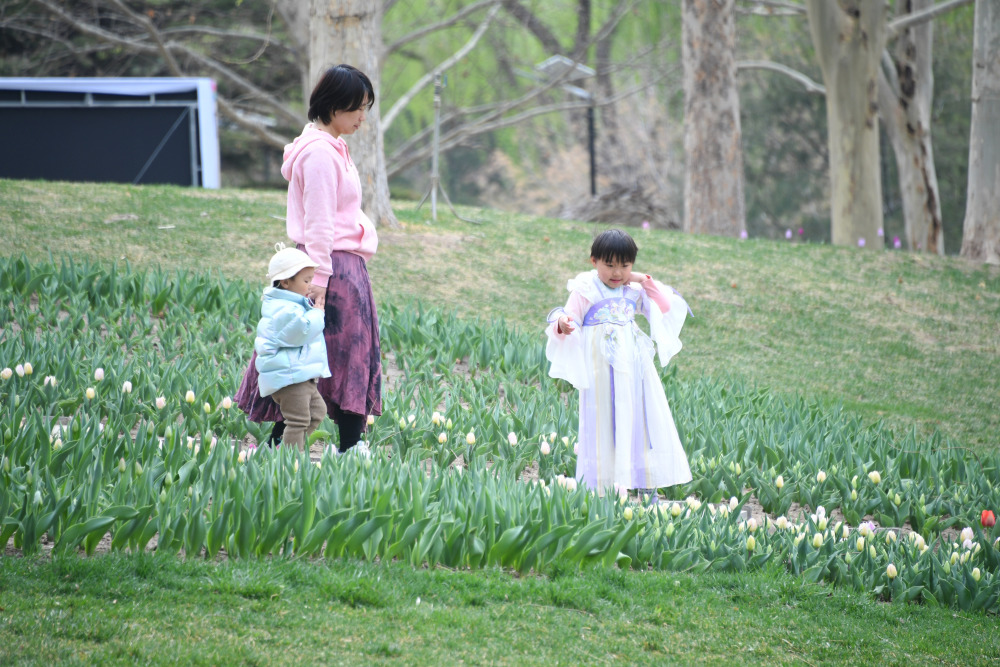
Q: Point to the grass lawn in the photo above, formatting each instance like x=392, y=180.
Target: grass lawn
x=154, y=610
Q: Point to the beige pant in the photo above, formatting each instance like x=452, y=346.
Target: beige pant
x=303, y=409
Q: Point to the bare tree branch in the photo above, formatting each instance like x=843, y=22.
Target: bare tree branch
x=903, y=22
x=811, y=86
x=434, y=27
x=549, y=41
x=421, y=83
x=405, y=156
x=154, y=34
x=774, y=8
x=166, y=49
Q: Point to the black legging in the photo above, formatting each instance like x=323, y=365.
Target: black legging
x=350, y=425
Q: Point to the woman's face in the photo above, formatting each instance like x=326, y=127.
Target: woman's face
x=348, y=122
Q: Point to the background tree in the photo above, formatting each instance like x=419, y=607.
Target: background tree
x=905, y=94
x=981, y=231
x=849, y=35
x=713, y=182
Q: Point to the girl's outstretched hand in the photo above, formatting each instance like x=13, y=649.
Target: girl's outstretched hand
x=318, y=295
x=564, y=325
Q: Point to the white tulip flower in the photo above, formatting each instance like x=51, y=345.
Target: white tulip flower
x=545, y=449
x=6, y=374
x=779, y=481
x=512, y=438
x=99, y=374
x=875, y=477
x=227, y=403
x=470, y=438
x=90, y=393
x=189, y=396
x=160, y=402
x=821, y=477
x=890, y=571
x=127, y=387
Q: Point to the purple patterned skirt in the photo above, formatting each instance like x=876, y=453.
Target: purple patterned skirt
x=352, y=346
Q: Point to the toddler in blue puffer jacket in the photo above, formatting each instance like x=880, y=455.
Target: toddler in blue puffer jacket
x=291, y=350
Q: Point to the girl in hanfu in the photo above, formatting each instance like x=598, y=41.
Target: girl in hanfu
x=627, y=437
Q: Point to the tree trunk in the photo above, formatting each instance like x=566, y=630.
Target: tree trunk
x=714, y=200
x=905, y=96
x=849, y=46
x=981, y=232
x=350, y=31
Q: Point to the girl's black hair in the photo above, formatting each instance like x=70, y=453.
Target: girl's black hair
x=614, y=245
x=341, y=88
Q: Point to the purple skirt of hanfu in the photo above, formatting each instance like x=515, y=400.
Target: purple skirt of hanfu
x=352, y=346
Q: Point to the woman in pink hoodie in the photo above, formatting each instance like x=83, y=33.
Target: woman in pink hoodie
x=324, y=219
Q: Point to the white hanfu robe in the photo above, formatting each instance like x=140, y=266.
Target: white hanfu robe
x=627, y=437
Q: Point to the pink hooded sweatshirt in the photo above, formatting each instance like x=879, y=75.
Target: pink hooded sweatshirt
x=324, y=200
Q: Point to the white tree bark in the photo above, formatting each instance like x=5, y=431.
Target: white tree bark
x=906, y=90
x=714, y=201
x=350, y=31
x=981, y=232
x=849, y=44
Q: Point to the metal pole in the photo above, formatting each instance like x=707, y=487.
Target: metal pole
x=434, y=155
x=593, y=158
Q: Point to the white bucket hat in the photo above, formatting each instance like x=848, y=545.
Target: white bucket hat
x=287, y=262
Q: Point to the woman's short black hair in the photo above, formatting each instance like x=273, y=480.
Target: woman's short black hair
x=614, y=245
x=341, y=88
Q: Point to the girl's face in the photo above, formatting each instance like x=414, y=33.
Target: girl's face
x=348, y=122
x=299, y=283
x=614, y=273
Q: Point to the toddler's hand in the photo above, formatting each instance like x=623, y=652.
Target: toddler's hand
x=564, y=325
x=318, y=295
x=638, y=278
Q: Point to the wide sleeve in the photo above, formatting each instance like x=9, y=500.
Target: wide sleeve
x=565, y=352
x=664, y=324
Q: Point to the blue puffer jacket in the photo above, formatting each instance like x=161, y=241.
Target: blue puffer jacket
x=290, y=345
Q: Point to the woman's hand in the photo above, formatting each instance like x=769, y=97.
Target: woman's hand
x=318, y=295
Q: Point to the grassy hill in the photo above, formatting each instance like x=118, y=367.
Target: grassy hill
x=909, y=339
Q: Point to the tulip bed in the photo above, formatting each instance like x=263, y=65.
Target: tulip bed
x=116, y=424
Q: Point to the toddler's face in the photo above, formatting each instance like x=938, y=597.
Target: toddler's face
x=614, y=273
x=299, y=283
